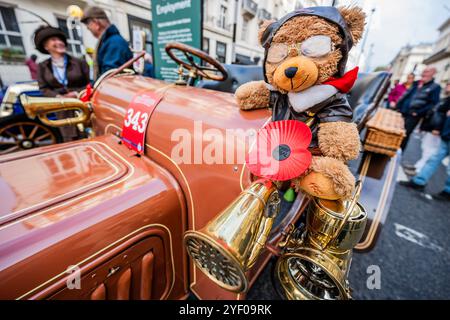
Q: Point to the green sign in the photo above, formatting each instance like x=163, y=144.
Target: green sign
x=174, y=20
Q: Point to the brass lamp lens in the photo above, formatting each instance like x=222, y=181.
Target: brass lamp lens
x=216, y=263
x=310, y=275
x=312, y=278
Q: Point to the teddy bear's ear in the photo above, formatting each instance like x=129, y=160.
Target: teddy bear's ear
x=355, y=18
x=262, y=28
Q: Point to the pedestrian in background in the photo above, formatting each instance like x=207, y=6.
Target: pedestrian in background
x=112, y=49
x=418, y=101
x=442, y=127
x=149, y=70
x=399, y=90
x=61, y=75
x=431, y=139
x=32, y=66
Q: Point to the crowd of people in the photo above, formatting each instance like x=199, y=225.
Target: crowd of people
x=65, y=76
x=421, y=106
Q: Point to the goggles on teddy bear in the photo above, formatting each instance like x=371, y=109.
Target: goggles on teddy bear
x=330, y=14
x=313, y=47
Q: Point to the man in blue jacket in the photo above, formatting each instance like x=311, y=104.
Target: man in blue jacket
x=442, y=127
x=112, y=49
x=418, y=101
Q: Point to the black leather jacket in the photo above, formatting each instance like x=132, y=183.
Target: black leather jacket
x=335, y=108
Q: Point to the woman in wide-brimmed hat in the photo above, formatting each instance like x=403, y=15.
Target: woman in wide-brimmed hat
x=61, y=75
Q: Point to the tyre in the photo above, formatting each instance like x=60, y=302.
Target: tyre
x=18, y=132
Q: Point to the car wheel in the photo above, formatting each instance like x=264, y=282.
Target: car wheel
x=17, y=132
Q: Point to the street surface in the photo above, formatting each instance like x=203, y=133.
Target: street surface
x=412, y=251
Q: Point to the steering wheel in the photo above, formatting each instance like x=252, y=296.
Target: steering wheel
x=217, y=72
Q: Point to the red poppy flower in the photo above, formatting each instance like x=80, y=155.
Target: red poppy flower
x=280, y=152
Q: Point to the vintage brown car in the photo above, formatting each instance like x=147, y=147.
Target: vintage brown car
x=96, y=209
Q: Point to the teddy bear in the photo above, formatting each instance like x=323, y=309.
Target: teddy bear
x=306, y=53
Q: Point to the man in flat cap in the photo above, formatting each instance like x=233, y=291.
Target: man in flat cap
x=112, y=49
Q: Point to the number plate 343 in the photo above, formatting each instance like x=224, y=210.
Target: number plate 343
x=137, y=119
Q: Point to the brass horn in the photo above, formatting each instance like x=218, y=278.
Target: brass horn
x=41, y=107
x=316, y=262
x=230, y=244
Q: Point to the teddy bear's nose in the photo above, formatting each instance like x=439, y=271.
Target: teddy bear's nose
x=290, y=72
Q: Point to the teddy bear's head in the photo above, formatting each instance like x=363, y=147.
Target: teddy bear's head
x=309, y=46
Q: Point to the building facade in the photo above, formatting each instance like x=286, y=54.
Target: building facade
x=17, y=25
x=230, y=28
x=410, y=59
x=440, y=58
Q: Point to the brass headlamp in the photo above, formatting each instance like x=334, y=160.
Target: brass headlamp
x=42, y=107
x=316, y=262
x=230, y=244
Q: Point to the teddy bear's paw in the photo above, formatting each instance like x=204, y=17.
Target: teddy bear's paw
x=317, y=185
x=339, y=140
x=253, y=95
x=328, y=179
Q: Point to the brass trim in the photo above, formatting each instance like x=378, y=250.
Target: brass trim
x=106, y=248
x=42, y=106
x=257, y=196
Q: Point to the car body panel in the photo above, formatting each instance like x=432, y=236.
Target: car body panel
x=97, y=205
x=209, y=188
x=57, y=175
x=36, y=249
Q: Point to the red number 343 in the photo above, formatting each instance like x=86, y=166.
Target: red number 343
x=137, y=120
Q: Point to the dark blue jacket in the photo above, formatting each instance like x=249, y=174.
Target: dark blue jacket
x=419, y=100
x=113, y=50
x=405, y=100
x=149, y=71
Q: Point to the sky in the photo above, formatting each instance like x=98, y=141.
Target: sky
x=397, y=23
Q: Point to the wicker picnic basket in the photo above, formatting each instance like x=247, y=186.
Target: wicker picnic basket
x=385, y=132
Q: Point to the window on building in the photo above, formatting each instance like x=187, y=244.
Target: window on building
x=243, y=59
x=223, y=17
x=205, y=48
x=205, y=45
x=244, y=30
x=221, y=51
x=10, y=36
x=136, y=23
x=74, y=41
